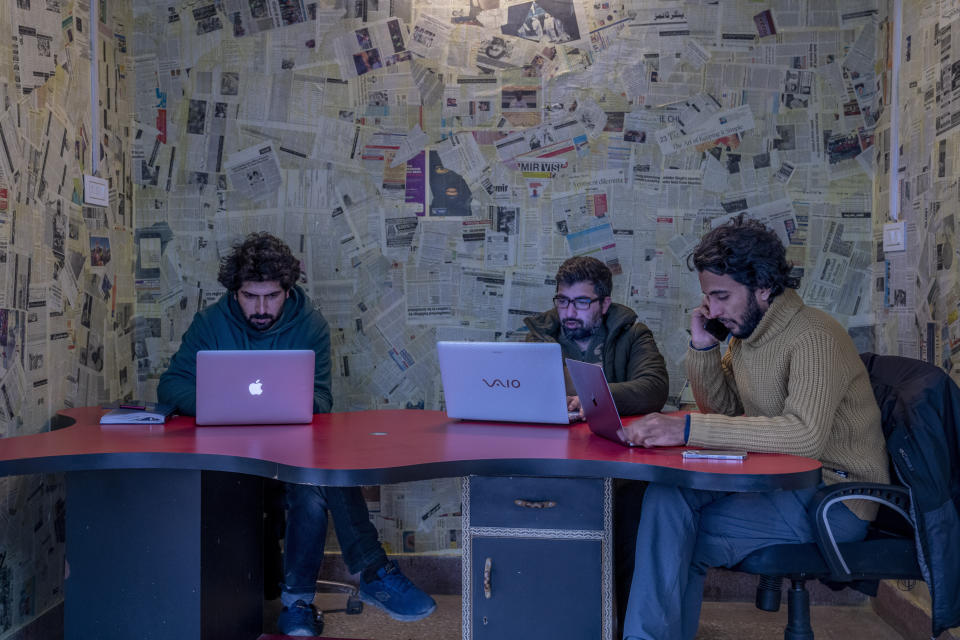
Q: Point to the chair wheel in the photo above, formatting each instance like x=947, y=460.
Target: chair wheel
x=354, y=605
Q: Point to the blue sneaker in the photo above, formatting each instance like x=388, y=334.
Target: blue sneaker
x=394, y=593
x=300, y=619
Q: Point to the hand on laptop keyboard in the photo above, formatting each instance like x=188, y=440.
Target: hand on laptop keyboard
x=573, y=407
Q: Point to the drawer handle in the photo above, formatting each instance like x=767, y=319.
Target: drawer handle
x=487, y=570
x=535, y=504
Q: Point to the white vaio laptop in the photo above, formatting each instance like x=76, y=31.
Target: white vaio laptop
x=596, y=400
x=255, y=387
x=504, y=381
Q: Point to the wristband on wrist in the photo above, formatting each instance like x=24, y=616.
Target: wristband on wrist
x=713, y=346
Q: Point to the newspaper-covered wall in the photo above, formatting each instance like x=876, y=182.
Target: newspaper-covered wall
x=917, y=291
x=432, y=163
x=66, y=285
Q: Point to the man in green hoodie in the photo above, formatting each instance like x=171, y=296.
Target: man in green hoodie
x=590, y=327
x=265, y=309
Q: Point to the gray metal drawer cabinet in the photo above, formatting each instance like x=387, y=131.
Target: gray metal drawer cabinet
x=536, y=558
x=536, y=503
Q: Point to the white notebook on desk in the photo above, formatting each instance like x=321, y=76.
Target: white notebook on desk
x=137, y=413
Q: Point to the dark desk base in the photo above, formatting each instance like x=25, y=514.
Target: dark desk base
x=164, y=524
x=163, y=553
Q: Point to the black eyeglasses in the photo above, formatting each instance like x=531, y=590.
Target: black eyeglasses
x=562, y=302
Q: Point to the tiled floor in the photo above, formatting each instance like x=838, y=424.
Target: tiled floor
x=719, y=621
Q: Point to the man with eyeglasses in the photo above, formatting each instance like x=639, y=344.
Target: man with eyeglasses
x=590, y=327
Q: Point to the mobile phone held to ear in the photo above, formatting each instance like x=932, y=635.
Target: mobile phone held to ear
x=716, y=328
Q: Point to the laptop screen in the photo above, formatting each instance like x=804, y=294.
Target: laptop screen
x=255, y=387
x=503, y=381
x=596, y=400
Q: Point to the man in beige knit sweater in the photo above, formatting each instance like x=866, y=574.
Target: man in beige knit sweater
x=791, y=381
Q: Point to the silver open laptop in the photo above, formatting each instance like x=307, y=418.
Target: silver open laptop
x=596, y=400
x=504, y=381
x=255, y=387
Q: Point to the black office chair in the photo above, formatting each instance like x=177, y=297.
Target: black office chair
x=908, y=392
x=884, y=554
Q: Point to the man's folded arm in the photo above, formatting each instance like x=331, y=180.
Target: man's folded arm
x=646, y=389
x=322, y=395
x=178, y=384
x=712, y=382
x=809, y=411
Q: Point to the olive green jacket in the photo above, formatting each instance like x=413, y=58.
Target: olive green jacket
x=631, y=360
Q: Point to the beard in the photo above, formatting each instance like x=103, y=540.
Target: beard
x=751, y=318
x=261, y=316
x=579, y=332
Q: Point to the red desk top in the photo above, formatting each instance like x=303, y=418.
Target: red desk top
x=377, y=447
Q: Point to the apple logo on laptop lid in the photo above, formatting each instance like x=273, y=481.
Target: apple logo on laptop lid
x=256, y=388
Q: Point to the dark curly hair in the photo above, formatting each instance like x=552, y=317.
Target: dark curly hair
x=748, y=252
x=261, y=257
x=586, y=269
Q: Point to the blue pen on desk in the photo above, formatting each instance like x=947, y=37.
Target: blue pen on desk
x=138, y=407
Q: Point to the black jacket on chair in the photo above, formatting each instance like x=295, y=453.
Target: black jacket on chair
x=920, y=406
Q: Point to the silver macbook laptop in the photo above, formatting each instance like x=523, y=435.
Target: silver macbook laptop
x=596, y=400
x=504, y=381
x=255, y=387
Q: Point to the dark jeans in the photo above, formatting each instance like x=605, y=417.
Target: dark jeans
x=627, y=498
x=306, y=533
